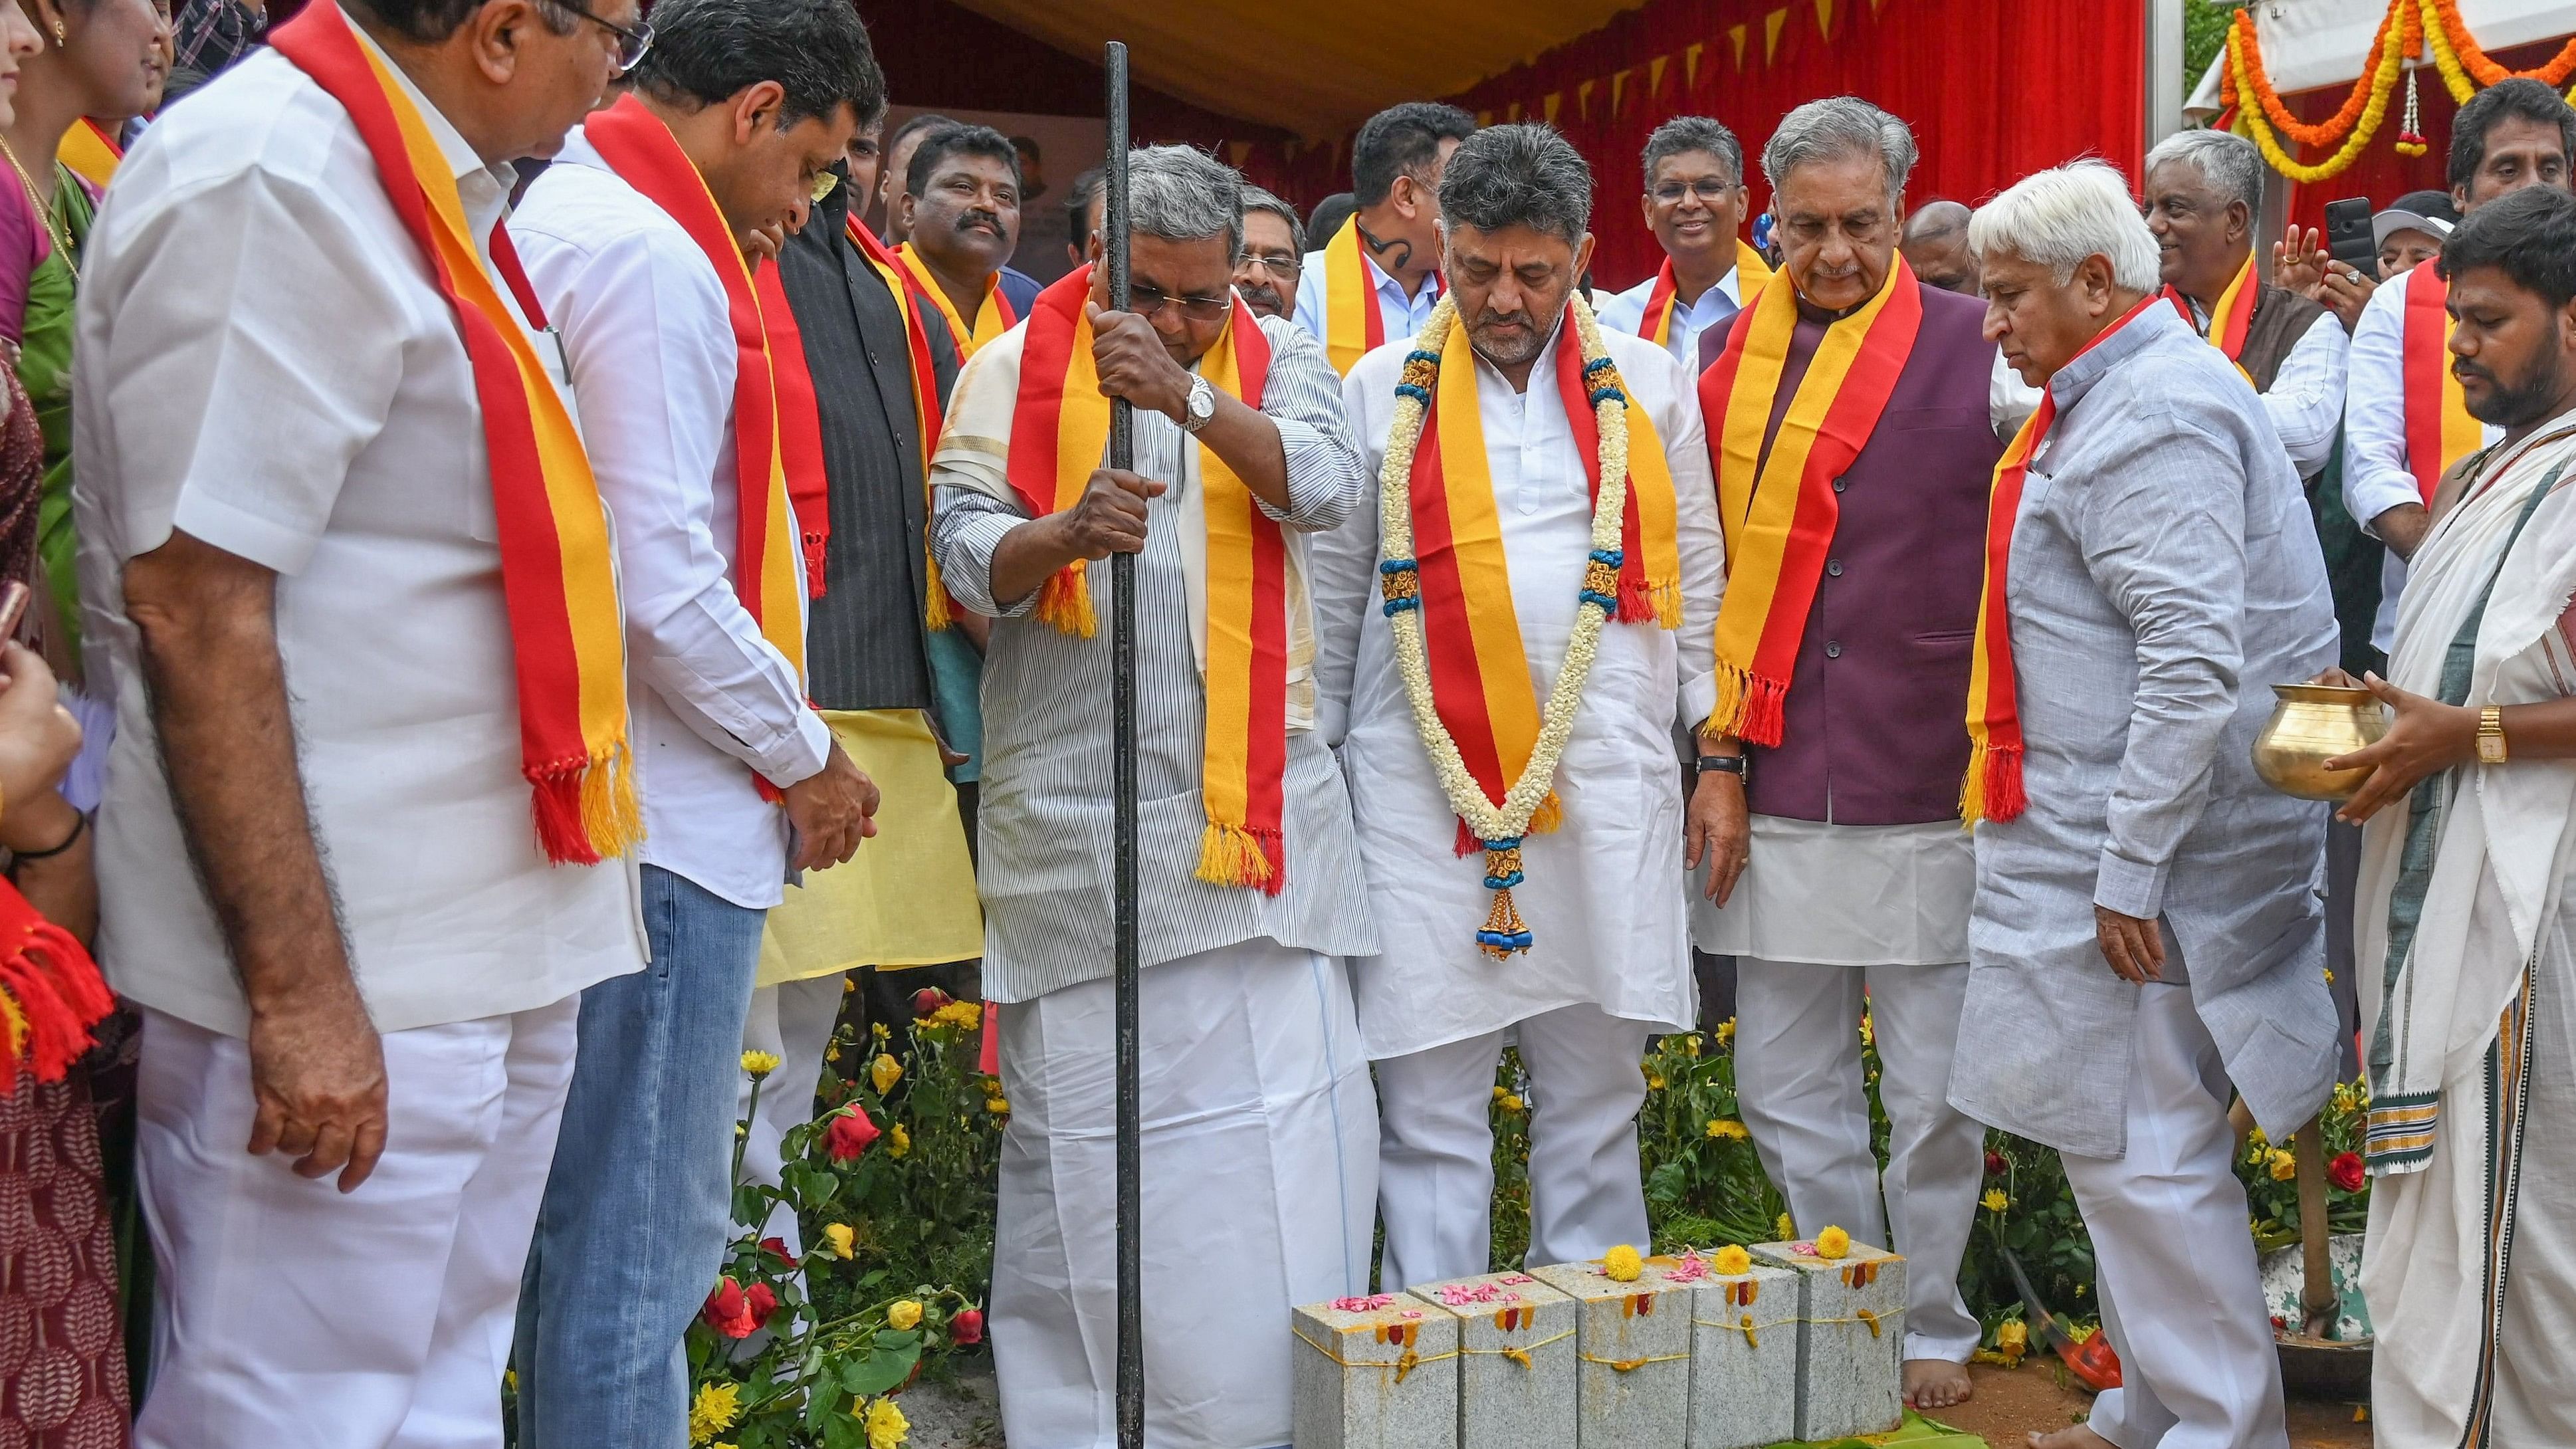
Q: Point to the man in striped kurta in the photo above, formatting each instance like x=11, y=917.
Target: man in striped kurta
x=1260, y=1127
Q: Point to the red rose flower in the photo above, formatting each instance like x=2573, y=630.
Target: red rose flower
x=1996, y=1166
x=929, y=999
x=777, y=1248
x=849, y=1135
x=762, y=1301
x=2346, y=1171
x=728, y=1310
x=966, y=1326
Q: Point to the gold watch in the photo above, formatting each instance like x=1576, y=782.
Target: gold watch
x=2491, y=735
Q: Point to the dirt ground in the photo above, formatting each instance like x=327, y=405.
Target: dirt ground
x=2040, y=1396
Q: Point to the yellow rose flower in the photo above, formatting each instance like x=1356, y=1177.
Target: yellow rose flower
x=886, y=1425
x=1511, y=1102
x=759, y=1064
x=2283, y=1166
x=997, y=1105
x=714, y=1410
x=1832, y=1243
x=1726, y=1032
x=1732, y=1260
x=898, y=1141
x=1727, y=1129
x=903, y=1313
x=1996, y=1201
x=1785, y=1228
x=1500, y=1093
x=1622, y=1264
x=840, y=1239
x=884, y=1072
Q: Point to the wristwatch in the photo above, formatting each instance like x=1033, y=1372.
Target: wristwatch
x=1200, y=407
x=2491, y=735
x=1740, y=766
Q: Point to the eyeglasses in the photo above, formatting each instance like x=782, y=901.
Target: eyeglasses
x=1705, y=189
x=1150, y=301
x=1277, y=264
x=632, y=40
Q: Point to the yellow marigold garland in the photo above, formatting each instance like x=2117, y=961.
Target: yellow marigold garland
x=2442, y=21
x=2243, y=44
x=2383, y=84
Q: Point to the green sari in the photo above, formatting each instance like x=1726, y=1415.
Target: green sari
x=45, y=367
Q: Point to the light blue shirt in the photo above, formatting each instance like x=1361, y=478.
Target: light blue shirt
x=1402, y=315
x=1715, y=307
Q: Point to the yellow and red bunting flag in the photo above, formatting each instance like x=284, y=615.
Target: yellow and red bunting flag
x=640, y=148
x=1352, y=327
x=1059, y=426
x=1480, y=677
x=928, y=407
x=800, y=426
x=992, y=319
x=2231, y=317
x=1992, y=789
x=91, y=152
x=2439, y=430
x=1751, y=271
x=1778, y=509
x=557, y=572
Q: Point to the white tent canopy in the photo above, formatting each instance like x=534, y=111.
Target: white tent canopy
x=2312, y=43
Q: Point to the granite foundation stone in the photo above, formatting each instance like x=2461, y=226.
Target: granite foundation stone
x=1633, y=1352
x=1516, y=1360
x=1744, y=1359
x=1851, y=1338
x=1379, y=1372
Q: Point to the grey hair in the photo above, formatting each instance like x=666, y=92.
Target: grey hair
x=1840, y=126
x=1518, y=175
x=1684, y=134
x=2057, y=218
x=1181, y=194
x=1257, y=199
x=2224, y=159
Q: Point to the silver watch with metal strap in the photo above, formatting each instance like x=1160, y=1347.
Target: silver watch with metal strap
x=1201, y=406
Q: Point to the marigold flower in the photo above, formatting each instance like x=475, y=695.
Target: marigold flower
x=1726, y=1032
x=2283, y=1166
x=884, y=1072
x=927, y=1001
x=1732, y=1261
x=1786, y=1228
x=1511, y=1102
x=759, y=1064
x=849, y=1134
x=998, y=1106
x=2346, y=1171
x=1727, y=1129
x=966, y=1326
x=898, y=1140
x=2012, y=1338
x=1690, y=1045
x=1654, y=1081
x=2256, y=1138
x=714, y=1410
x=840, y=1239
x=1832, y=1243
x=832, y=1053
x=1996, y=1201
x=968, y=1015
x=886, y=1424
x=1500, y=1093
x=903, y=1313
x=879, y=1030
x=1622, y=1264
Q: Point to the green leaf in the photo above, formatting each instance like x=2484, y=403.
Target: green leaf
x=878, y=1370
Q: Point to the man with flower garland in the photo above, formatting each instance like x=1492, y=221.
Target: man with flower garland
x=1541, y=528
x=1260, y=1134
x=1855, y=415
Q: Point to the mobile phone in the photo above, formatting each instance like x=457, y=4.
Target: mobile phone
x=13, y=607
x=2348, y=238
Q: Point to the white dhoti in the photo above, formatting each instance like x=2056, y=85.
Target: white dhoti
x=1436, y=1170
x=293, y=1316
x=792, y=1021
x=2181, y=1297
x=1260, y=1173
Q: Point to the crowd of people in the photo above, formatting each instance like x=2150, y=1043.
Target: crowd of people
x=531, y=596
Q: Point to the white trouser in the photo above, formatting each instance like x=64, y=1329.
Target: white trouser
x=792, y=1021
x=1798, y=1078
x=2181, y=1297
x=1436, y=1161
x=293, y=1316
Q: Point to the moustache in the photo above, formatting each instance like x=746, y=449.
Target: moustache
x=1259, y=292
x=2463, y=369
x=968, y=221
x=1486, y=319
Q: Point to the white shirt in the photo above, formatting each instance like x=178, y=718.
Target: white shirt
x=1402, y=315
x=2306, y=398
x=643, y=316
x=264, y=363
x=1605, y=934
x=2375, y=479
x=1720, y=303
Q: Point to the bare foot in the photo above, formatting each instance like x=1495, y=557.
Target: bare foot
x=1936, y=1383
x=2073, y=1436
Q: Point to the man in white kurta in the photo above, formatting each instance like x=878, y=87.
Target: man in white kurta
x=1610, y=961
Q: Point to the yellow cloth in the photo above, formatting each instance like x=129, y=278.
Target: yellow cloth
x=908, y=897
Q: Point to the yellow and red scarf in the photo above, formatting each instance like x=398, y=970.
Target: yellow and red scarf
x=1480, y=675
x=1993, y=789
x=2231, y=317
x=91, y=152
x=1353, y=325
x=557, y=573
x=910, y=296
x=50, y=994
x=642, y=151
x=2439, y=430
x=800, y=426
x=992, y=319
x=1779, y=509
x=1751, y=271
x=1059, y=428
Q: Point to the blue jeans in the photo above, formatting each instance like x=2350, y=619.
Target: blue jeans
x=639, y=1207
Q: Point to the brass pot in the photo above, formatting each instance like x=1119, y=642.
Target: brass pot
x=2312, y=724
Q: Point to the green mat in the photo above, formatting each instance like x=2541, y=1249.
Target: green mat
x=1916, y=1432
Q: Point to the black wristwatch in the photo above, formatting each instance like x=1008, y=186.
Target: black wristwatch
x=1739, y=766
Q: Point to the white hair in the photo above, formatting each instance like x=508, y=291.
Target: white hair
x=2059, y=217
x=2224, y=159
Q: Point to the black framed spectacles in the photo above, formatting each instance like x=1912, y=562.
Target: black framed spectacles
x=632, y=40
x=1147, y=301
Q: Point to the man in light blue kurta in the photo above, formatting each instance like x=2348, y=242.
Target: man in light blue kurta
x=2147, y=931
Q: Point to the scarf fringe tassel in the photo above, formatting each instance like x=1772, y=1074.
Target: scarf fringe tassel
x=817, y=548
x=1640, y=602
x=937, y=612
x=1749, y=707
x=586, y=810
x=1505, y=932
x=1992, y=789
x=1065, y=601
x=1237, y=855
x=52, y=995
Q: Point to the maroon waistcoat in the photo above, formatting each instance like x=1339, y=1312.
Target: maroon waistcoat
x=1876, y=716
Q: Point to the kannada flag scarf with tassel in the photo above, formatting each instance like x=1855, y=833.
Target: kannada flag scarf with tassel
x=1751, y=271
x=2231, y=317
x=928, y=409
x=992, y=319
x=1778, y=506
x=1059, y=430
x=2439, y=430
x=1353, y=325
x=642, y=151
x=91, y=152
x=558, y=576
x=1992, y=789
x=50, y=994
